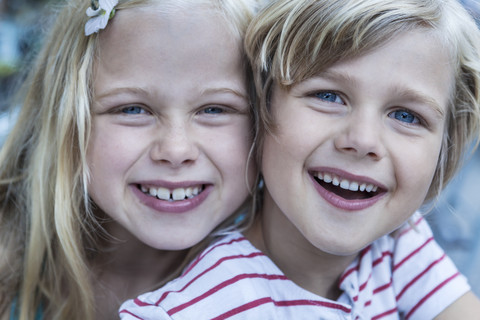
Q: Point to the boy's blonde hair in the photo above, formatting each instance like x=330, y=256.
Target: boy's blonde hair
x=293, y=40
x=46, y=220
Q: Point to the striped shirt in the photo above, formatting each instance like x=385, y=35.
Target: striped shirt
x=403, y=277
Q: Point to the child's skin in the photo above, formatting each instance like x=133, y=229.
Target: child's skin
x=128, y=155
x=366, y=108
x=375, y=120
x=170, y=111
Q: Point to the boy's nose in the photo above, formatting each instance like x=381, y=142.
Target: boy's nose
x=361, y=137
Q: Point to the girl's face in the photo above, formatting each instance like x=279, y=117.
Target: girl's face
x=357, y=146
x=171, y=128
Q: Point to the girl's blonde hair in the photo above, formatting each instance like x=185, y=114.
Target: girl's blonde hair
x=47, y=230
x=293, y=40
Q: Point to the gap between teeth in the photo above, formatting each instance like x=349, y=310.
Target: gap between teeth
x=175, y=194
x=346, y=184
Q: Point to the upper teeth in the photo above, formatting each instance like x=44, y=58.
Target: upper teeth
x=345, y=183
x=175, y=194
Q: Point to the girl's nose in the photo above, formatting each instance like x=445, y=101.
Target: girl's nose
x=175, y=146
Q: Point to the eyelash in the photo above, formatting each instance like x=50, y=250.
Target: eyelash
x=139, y=108
x=416, y=119
x=327, y=95
x=215, y=108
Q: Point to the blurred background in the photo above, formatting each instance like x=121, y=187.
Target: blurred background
x=455, y=218
x=22, y=23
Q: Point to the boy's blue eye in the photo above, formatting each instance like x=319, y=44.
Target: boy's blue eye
x=133, y=110
x=329, y=97
x=404, y=116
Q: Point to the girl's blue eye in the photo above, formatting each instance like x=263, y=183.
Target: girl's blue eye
x=329, y=97
x=404, y=116
x=213, y=110
x=133, y=110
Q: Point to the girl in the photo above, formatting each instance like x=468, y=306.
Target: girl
x=367, y=108
x=131, y=140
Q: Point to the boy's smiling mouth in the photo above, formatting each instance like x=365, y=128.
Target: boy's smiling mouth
x=348, y=189
x=177, y=194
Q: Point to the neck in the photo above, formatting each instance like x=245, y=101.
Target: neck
x=123, y=254
x=303, y=263
x=126, y=267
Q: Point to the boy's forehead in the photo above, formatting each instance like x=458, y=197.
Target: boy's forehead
x=352, y=71
x=310, y=62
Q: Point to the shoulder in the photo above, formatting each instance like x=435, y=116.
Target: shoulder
x=224, y=270
x=426, y=281
x=405, y=272
x=231, y=278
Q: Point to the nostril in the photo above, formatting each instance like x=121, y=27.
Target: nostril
x=175, y=153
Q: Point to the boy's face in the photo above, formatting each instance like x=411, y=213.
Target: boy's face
x=374, y=125
x=171, y=129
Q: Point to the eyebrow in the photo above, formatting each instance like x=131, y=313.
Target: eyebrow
x=141, y=91
x=336, y=76
x=225, y=90
x=417, y=96
x=406, y=93
x=115, y=91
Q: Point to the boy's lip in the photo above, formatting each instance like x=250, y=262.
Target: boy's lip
x=342, y=175
x=172, y=197
x=344, y=190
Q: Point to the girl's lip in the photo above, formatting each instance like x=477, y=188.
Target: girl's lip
x=165, y=206
x=169, y=184
x=343, y=203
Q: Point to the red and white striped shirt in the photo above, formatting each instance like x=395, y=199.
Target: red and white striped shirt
x=406, y=277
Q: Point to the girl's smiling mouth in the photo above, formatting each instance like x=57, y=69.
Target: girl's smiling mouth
x=173, y=198
x=177, y=194
x=346, y=192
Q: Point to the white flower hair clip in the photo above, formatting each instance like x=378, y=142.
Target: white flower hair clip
x=100, y=12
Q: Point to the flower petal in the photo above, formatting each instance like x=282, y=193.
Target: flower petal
x=99, y=17
x=95, y=24
x=92, y=13
x=108, y=5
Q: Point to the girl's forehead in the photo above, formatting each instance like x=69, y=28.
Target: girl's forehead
x=144, y=49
